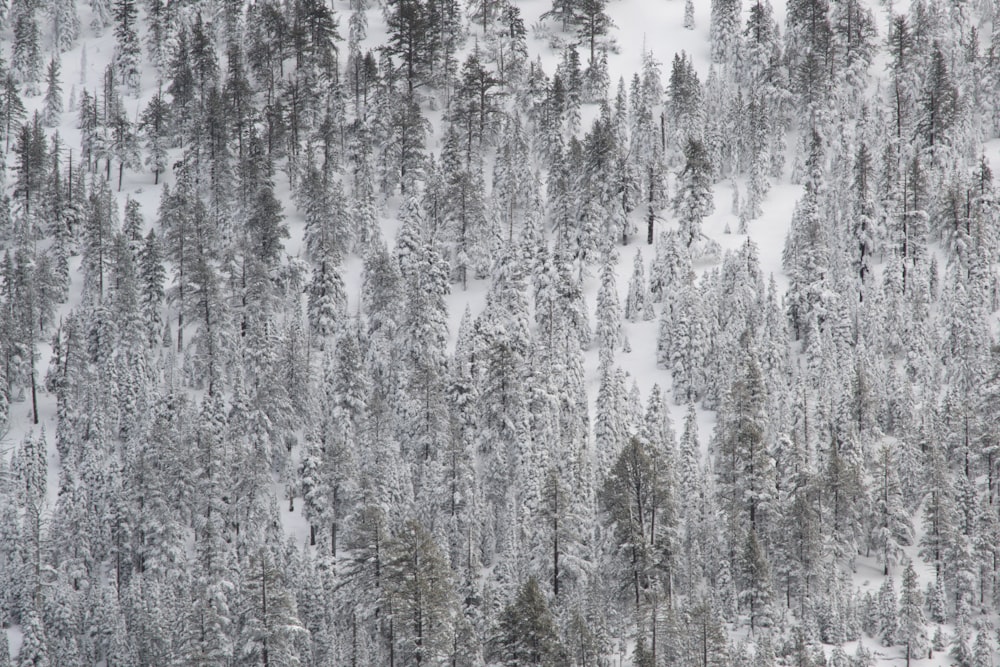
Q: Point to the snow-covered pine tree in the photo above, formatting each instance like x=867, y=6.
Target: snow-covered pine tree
x=53, y=109
x=694, y=202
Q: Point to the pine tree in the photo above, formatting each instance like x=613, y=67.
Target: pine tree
x=34, y=652
x=689, y=14
x=724, y=30
x=151, y=277
x=528, y=633
x=420, y=590
x=982, y=649
x=707, y=644
x=127, y=50
x=960, y=651
x=637, y=303
x=271, y=630
x=756, y=591
x=939, y=514
x=592, y=22
x=608, y=332
x=122, y=144
x=25, y=60
x=745, y=464
x=940, y=102
x=153, y=129
x=407, y=23
x=640, y=507
x=888, y=617
x=911, y=615
x=694, y=200
x=65, y=24
x=52, y=114
x=892, y=530
x=30, y=155
x=12, y=110
x=564, y=11
x=808, y=36
x=327, y=298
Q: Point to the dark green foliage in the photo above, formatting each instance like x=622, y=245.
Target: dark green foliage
x=420, y=595
x=527, y=631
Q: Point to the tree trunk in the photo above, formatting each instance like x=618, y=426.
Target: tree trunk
x=263, y=591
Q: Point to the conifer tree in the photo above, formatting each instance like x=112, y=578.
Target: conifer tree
x=528, y=633
x=25, y=59
x=694, y=199
x=638, y=502
x=153, y=127
x=418, y=582
x=637, y=303
x=939, y=103
x=911, y=615
x=12, y=110
x=745, y=464
x=271, y=629
x=724, y=30
x=608, y=312
x=892, y=530
x=127, y=51
x=151, y=276
x=888, y=618
x=592, y=22
x=982, y=649
x=64, y=23
x=53, y=96
x=756, y=591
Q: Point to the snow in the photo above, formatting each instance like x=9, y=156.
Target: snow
x=14, y=640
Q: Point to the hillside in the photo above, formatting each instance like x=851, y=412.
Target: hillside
x=499, y=332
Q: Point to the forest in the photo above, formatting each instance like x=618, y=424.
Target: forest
x=495, y=333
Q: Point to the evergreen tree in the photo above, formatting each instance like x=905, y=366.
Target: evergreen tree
x=756, y=594
x=911, y=615
x=418, y=583
x=939, y=103
x=724, y=30
x=982, y=649
x=153, y=129
x=53, y=96
x=12, y=110
x=892, y=530
x=26, y=59
x=564, y=11
x=271, y=629
x=151, y=277
x=638, y=303
x=127, y=51
x=608, y=332
x=407, y=23
x=640, y=507
x=694, y=199
x=888, y=616
x=745, y=464
x=527, y=630
x=64, y=23
x=593, y=23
